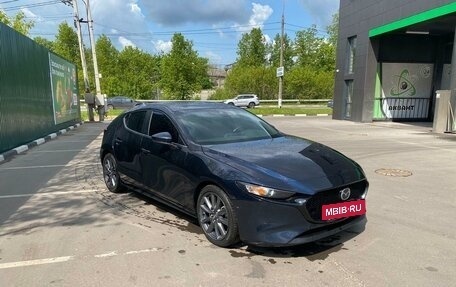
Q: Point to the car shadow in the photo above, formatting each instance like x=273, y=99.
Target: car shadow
x=317, y=250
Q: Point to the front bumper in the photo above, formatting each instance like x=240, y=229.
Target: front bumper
x=266, y=223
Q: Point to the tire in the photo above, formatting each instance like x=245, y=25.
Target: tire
x=110, y=107
x=231, y=104
x=111, y=175
x=251, y=105
x=216, y=217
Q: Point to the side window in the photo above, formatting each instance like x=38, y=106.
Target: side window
x=160, y=123
x=135, y=121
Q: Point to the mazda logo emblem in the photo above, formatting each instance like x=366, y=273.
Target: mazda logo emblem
x=345, y=193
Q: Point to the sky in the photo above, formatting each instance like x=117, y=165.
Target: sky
x=214, y=26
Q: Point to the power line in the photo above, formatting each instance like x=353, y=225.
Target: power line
x=40, y=4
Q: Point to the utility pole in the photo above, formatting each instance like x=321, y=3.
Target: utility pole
x=281, y=60
x=92, y=44
x=81, y=45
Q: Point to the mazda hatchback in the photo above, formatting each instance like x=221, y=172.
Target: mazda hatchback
x=239, y=176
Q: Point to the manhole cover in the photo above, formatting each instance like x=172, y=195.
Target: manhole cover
x=394, y=172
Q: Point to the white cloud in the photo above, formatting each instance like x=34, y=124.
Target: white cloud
x=126, y=43
x=162, y=46
x=321, y=11
x=134, y=8
x=260, y=14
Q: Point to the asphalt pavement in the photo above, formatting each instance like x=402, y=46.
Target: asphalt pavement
x=59, y=226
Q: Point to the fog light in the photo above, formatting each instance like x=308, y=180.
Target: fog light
x=300, y=201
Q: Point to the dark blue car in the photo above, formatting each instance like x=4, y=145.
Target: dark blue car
x=239, y=176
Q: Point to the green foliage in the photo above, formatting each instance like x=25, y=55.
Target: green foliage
x=66, y=43
x=44, y=42
x=252, y=49
x=288, y=52
x=333, y=30
x=135, y=74
x=183, y=72
x=259, y=80
x=17, y=22
x=308, y=83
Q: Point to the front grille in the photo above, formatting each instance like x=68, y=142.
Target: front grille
x=313, y=204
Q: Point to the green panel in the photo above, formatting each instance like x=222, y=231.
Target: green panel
x=418, y=18
x=378, y=114
x=26, y=110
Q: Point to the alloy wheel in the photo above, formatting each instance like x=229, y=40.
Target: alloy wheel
x=111, y=177
x=213, y=216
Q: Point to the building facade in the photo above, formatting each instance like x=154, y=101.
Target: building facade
x=392, y=57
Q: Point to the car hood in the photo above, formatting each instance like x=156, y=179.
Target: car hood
x=288, y=163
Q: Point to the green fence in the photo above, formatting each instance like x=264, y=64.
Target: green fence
x=38, y=90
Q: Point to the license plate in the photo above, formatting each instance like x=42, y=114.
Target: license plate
x=343, y=209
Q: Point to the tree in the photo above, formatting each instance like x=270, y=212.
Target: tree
x=66, y=45
x=136, y=74
x=333, y=30
x=44, y=42
x=274, y=50
x=17, y=22
x=107, y=58
x=182, y=70
x=252, y=49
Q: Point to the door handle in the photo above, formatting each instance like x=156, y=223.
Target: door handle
x=118, y=141
x=145, y=151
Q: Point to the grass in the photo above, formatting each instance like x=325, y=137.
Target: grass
x=112, y=114
x=264, y=110
x=291, y=110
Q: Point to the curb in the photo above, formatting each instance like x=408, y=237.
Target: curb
x=23, y=148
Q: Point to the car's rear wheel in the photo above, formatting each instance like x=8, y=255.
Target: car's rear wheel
x=251, y=105
x=110, y=174
x=216, y=217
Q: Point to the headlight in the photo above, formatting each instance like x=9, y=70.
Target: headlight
x=266, y=191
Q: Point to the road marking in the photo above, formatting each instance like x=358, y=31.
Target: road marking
x=69, y=258
x=63, y=150
x=52, y=136
x=47, y=166
x=35, y=262
x=110, y=254
x=47, y=193
x=2, y=158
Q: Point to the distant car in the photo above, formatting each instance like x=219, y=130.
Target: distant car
x=121, y=102
x=330, y=104
x=239, y=176
x=244, y=100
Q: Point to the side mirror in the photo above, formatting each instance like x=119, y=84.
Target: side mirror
x=163, y=137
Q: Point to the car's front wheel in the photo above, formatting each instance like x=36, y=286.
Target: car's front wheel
x=216, y=217
x=110, y=174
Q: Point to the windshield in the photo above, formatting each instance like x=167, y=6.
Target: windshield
x=209, y=127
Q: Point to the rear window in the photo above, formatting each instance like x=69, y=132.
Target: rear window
x=209, y=127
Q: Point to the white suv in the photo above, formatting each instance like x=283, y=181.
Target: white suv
x=244, y=100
